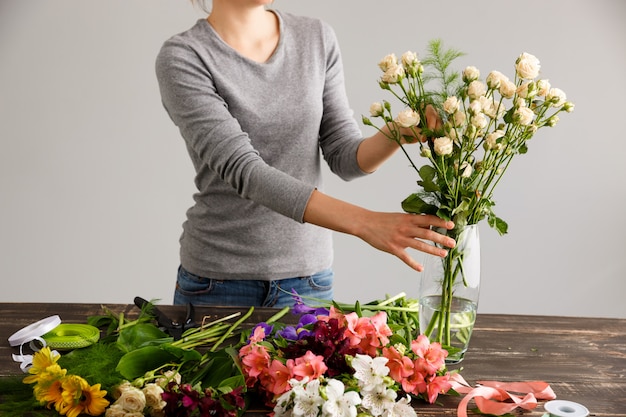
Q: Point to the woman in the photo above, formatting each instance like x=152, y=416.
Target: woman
x=259, y=97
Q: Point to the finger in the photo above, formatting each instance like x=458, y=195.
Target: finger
x=412, y=263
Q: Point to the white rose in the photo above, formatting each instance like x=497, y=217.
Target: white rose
x=376, y=109
x=495, y=79
x=459, y=118
x=466, y=169
x=470, y=74
x=393, y=74
x=556, y=97
x=153, y=392
x=451, y=105
x=527, y=66
x=479, y=121
x=115, y=410
x=523, y=115
x=443, y=146
x=552, y=121
x=119, y=389
x=491, y=140
x=452, y=133
x=407, y=118
x=507, y=89
x=476, y=89
x=388, y=62
x=409, y=59
x=522, y=90
x=543, y=87
x=132, y=399
x=476, y=106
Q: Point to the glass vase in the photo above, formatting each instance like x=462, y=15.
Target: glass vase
x=448, y=294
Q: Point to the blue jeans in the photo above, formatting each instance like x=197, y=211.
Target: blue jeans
x=197, y=290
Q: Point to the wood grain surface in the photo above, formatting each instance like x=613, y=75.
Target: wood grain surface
x=583, y=359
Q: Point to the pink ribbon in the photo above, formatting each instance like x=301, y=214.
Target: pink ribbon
x=497, y=398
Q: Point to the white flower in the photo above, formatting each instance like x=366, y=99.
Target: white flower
x=377, y=401
x=523, y=116
x=153, y=393
x=168, y=377
x=407, y=118
x=443, y=146
x=388, y=62
x=523, y=90
x=552, y=121
x=507, y=88
x=479, y=121
x=527, y=66
x=376, y=109
x=476, y=89
x=466, y=169
x=409, y=59
x=495, y=79
x=459, y=118
x=370, y=371
x=470, y=74
x=568, y=106
x=543, y=86
x=393, y=74
x=115, y=410
x=451, y=105
x=339, y=404
x=308, y=401
x=402, y=408
x=492, y=138
x=556, y=97
x=476, y=106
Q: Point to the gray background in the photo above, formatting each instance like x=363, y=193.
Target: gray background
x=95, y=180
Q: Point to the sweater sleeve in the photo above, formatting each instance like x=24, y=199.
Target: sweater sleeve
x=211, y=132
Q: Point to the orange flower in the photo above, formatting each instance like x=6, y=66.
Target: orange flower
x=79, y=397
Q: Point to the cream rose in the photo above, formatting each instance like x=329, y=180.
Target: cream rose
x=556, y=97
x=409, y=59
x=527, y=66
x=466, y=169
x=115, y=410
x=495, y=79
x=470, y=74
x=479, y=121
x=543, y=87
x=393, y=74
x=387, y=62
x=459, y=118
x=407, y=118
x=476, y=89
x=476, y=106
x=152, y=393
x=376, y=109
x=451, y=105
x=132, y=399
x=523, y=115
x=507, y=89
x=443, y=146
x=491, y=140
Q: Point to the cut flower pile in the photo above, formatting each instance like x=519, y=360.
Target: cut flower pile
x=337, y=360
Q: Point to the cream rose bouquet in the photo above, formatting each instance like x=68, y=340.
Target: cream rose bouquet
x=484, y=125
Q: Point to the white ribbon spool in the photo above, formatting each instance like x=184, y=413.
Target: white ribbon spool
x=30, y=334
x=561, y=408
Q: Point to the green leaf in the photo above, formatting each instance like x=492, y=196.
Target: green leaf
x=415, y=204
x=137, y=362
x=137, y=335
x=427, y=173
x=497, y=223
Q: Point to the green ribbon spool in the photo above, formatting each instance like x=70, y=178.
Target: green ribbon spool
x=71, y=336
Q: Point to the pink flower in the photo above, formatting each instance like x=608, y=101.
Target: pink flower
x=258, y=335
x=256, y=360
x=309, y=365
x=431, y=357
x=276, y=379
x=400, y=366
x=368, y=333
x=437, y=385
x=414, y=384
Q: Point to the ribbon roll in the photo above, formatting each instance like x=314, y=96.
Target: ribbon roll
x=561, y=408
x=26, y=361
x=72, y=336
x=34, y=330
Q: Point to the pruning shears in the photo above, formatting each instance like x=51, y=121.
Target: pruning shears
x=174, y=328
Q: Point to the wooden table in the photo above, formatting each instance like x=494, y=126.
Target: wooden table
x=583, y=359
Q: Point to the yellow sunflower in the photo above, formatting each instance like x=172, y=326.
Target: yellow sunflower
x=48, y=389
x=41, y=361
x=79, y=397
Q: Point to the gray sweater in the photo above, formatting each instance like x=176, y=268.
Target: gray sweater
x=254, y=132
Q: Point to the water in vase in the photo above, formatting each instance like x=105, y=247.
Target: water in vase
x=461, y=323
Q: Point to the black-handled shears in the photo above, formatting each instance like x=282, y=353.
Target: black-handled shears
x=172, y=327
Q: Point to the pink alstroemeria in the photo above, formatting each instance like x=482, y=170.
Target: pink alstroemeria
x=309, y=365
x=400, y=366
x=276, y=380
x=431, y=356
x=439, y=384
x=256, y=360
